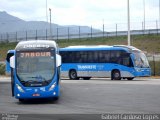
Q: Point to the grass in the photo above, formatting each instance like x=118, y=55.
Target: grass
x=2, y=69
x=149, y=43
x=4, y=47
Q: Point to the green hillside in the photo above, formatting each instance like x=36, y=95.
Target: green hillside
x=4, y=47
x=149, y=43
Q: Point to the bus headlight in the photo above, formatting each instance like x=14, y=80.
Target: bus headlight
x=52, y=87
x=19, y=88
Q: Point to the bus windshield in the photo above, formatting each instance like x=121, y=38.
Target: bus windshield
x=35, y=67
x=140, y=60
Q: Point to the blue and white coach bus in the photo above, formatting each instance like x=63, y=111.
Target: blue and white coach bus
x=117, y=62
x=35, y=69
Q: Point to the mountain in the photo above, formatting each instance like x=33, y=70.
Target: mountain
x=9, y=24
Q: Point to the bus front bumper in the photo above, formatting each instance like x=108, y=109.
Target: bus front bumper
x=33, y=93
x=142, y=72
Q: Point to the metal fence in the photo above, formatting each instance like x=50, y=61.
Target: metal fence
x=154, y=61
x=44, y=34
x=79, y=32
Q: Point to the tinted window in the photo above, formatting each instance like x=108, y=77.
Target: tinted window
x=112, y=56
x=126, y=60
x=104, y=56
x=115, y=56
x=82, y=57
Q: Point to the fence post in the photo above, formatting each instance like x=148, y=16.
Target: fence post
x=57, y=33
x=157, y=26
x=91, y=32
x=154, y=65
x=79, y=32
x=116, y=30
x=46, y=34
x=7, y=37
x=68, y=33
x=26, y=35
x=103, y=30
x=142, y=28
x=16, y=37
x=36, y=34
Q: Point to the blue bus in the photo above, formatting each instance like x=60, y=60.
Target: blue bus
x=117, y=62
x=35, y=69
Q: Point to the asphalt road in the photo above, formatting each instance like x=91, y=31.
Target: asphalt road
x=95, y=96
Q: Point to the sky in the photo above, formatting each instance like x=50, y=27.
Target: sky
x=82, y=12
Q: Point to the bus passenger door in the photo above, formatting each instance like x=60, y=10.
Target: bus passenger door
x=9, y=69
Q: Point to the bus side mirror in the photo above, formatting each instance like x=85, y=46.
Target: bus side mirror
x=58, y=60
x=12, y=62
x=10, y=53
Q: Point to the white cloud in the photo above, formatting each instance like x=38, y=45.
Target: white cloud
x=72, y=15
x=82, y=12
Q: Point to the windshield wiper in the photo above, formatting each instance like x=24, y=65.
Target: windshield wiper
x=32, y=77
x=28, y=81
x=40, y=79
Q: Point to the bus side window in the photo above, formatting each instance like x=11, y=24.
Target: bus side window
x=126, y=60
x=115, y=56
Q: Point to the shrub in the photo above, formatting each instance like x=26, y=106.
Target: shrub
x=2, y=69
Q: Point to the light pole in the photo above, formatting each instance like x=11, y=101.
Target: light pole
x=128, y=12
x=144, y=15
x=50, y=23
x=46, y=12
x=159, y=14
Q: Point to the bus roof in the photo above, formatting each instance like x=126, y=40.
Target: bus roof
x=36, y=44
x=100, y=47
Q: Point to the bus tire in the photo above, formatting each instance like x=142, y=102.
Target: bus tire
x=130, y=78
x=56, y=98
x=73, y=75
x=21, y=100
x=116, y=75
x=86, y=78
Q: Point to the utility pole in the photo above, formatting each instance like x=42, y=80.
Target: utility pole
x=46, y=12
x=144, y=16
x=50, y=23
x=159, y=14
x=128, y=12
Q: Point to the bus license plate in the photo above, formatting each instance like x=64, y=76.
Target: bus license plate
x=36, y=95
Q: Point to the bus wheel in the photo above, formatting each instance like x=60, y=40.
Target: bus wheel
x=130, y=78
x=73, y=75
x=116, y=75
x=56, y=98
x=86, y=78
